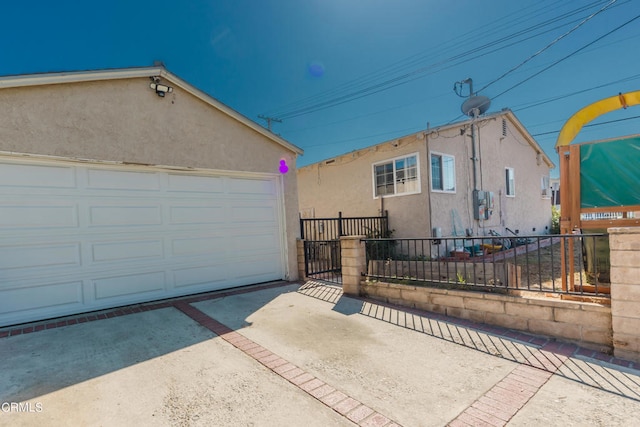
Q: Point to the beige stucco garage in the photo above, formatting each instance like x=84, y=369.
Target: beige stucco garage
x=113, y=192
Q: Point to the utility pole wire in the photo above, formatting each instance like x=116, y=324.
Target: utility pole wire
x=314, y=103
x=590, y=125
x=584, y=21
x=567, y=57
x=269, y=120
x=553, y=64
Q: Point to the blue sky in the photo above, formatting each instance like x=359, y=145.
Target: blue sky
x=346, y=74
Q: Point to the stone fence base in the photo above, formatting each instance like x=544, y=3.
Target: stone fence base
x=586, y=324
x=617, y=326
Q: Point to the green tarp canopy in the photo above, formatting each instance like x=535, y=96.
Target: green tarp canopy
x=610, y=173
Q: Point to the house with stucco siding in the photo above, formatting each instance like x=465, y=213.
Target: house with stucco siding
x=431, y=183
x=132, y=185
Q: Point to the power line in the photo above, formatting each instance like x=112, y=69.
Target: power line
x=548, y=46
x=402, y=64
x=353, y=94
x=590, y=125
x=567, y=95
x=515, y=108
x=553, y=64
x=567, y=56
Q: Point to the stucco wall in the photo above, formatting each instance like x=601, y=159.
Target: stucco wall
x=527, y=211
x=125, y=121
x=346, y=184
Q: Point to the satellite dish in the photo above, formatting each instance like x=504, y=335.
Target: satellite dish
x=475, y=105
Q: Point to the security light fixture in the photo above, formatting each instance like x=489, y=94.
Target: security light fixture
x=161, y=90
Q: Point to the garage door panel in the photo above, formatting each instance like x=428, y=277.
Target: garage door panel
x=255, y=243
x=251, y=186
x=38, y=215
x=39, y=256
x=128, y=284
x=19, y=175
x=80, y=238
x=201, y=275
x=195, y=184
x=256, y=268
x=102, y=179
x=128, y=215
x=62, y=296
x=196, y=214
x=130, y=250
x=189, y=246
x=253, y=214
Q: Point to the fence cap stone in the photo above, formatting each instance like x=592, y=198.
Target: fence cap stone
x=624, y=230
x=358, y=237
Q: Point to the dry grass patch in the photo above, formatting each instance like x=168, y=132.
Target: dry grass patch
x=542, y=270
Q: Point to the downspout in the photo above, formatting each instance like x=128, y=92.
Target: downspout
x=473, y=153
x=428, y=162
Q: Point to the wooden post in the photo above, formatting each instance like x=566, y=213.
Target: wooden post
x=565, y=210
x=569, y=209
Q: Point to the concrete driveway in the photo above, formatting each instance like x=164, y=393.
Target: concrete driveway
x=288, y=355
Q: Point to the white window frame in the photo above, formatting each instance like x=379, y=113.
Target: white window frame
x=393, y=162
x=455, y=183
x=506, y=182
x=545, y=187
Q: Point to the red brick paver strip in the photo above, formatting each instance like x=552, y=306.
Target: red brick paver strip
x=377, y=420
x=321, y=392
x=498, y=405
x=345, y=405
x=284, y=368
x=312, y=385
x=292, y=373
x=359, y=413
x=301, y=379
x=333, y=398
x=275, y=363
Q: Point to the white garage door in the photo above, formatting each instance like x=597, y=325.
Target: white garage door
x=81, y=237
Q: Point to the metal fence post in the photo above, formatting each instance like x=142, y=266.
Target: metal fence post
x=301, y=227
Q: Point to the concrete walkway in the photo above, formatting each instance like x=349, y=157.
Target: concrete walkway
x=286, y=354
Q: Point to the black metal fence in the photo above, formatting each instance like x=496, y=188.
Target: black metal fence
x=332, y=228
x=573, y=264
x=322, y=260
x=322, y=254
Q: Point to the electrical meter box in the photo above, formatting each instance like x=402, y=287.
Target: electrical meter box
x=479, y=204
x=482, y=204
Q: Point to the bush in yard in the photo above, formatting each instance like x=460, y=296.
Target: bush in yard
x=555, y=220
x=382, y=249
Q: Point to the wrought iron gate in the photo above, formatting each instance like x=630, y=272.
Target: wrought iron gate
x=322, y=256
x=322, y=260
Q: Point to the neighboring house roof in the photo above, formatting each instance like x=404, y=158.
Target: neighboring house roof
x=507, y=113
x=128, y=73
